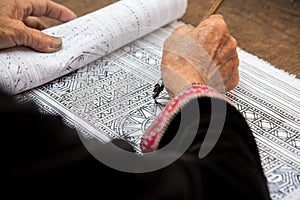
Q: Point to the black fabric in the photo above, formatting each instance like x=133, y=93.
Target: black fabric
x=41, y=156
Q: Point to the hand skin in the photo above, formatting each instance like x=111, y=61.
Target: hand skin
x=218, y=48
x=19, y=25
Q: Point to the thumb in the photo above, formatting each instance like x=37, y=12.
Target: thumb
x=38, y=40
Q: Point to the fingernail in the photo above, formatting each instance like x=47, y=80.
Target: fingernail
x=56, y=42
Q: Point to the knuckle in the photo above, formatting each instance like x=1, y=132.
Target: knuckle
x=17, y=32
x=217, y=21
x=233, y=41
x=215, y=27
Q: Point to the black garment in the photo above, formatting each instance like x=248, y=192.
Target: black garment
x=40, y=154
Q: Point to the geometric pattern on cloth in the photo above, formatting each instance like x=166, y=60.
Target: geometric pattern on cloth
x=112, y=98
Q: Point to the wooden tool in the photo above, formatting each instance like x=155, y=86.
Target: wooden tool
x=212, y=9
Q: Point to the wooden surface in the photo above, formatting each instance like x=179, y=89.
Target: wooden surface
x=269, y=29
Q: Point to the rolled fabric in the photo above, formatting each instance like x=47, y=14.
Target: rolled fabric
x=85, y=39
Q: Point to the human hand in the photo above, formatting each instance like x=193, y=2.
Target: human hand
x=19, y=24
x=205, y=54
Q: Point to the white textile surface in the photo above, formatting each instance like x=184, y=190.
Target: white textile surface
x=269, y=99
x=112, y=98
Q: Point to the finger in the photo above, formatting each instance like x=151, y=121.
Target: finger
x=34, y=22
x=225, y=50
x=49, y=9
x=230, y=84
x=34, y=38
x=229, y=71
x=211, y=33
